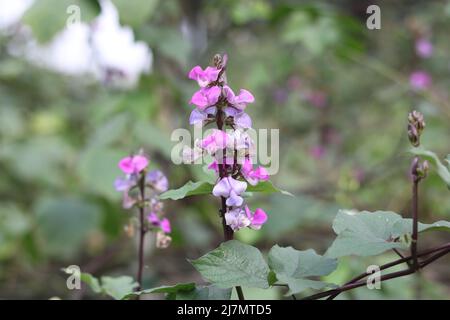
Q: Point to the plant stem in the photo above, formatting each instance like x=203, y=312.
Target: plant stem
x=415, y=214
x=142, y=232
x=228, y=233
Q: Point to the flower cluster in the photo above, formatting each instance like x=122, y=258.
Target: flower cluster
x=134, y=184
x=230, y=150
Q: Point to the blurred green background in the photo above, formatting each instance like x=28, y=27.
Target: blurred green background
x=338, y=92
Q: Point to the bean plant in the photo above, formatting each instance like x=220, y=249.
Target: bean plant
x=234, y=265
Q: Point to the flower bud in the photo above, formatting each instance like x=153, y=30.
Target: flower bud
x=416, y=124
x=422, y=169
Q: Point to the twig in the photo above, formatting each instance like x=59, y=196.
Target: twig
x=142, y=232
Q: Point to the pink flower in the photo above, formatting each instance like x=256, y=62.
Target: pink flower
x=206, y=97
x=133, y=164
x=240, y=101
x=420, y=80
x=157, y=180
x=204, y=77
x=214, y=166
x=257, y=218
x=237, y=219
x=231, y=189
x=253, y=176
x=165, y=225
x=317, y=152
x=217, y=140
x=153, y=219
x=424, y=48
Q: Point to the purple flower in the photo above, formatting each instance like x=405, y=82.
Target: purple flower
x=165, y=225
x=206, y=97
x=317, y=152
x=241, y=100
x=157, y=181
x=424, y=48
x=237, y=219
x=231, y=189
x=257, y=218
x=133, y=164
x=153, y=219
x=253, y=176
x=420, y=80
x=217, y=140
x=125, y=184
x=204, y=77
x=243, y=120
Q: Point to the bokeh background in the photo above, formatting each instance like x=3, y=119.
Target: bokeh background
x=73, y=101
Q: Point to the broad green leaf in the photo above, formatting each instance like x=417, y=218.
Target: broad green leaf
x=163, y=289
x=118, y=287
x=47, y=17
x=267, y=187
x=371, y=233
x=202, y=293
x=135, y=12
x=189, y=189
x=442, y=171
x=364, y=233
x=294, y=267
x=404, y=226
x=234, y=264
x=91, y=281
x=186, y=291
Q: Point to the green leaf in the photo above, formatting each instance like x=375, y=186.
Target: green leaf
x=364, y=233
x=91, y=281
x=186, y=291
x=202, y=293
x=442, y=171
x=189, y=189
x=135, y=12
x=234, y=264
x=163, y=289
x=118, y=287
x=293, y=267
x=404, y=226
x=267, y=187
x=371, y=233
x=47, y=17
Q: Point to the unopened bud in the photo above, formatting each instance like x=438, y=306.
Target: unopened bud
x=422, y=169
x=416, y=124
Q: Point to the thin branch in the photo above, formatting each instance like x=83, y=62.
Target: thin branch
x=142, y=232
